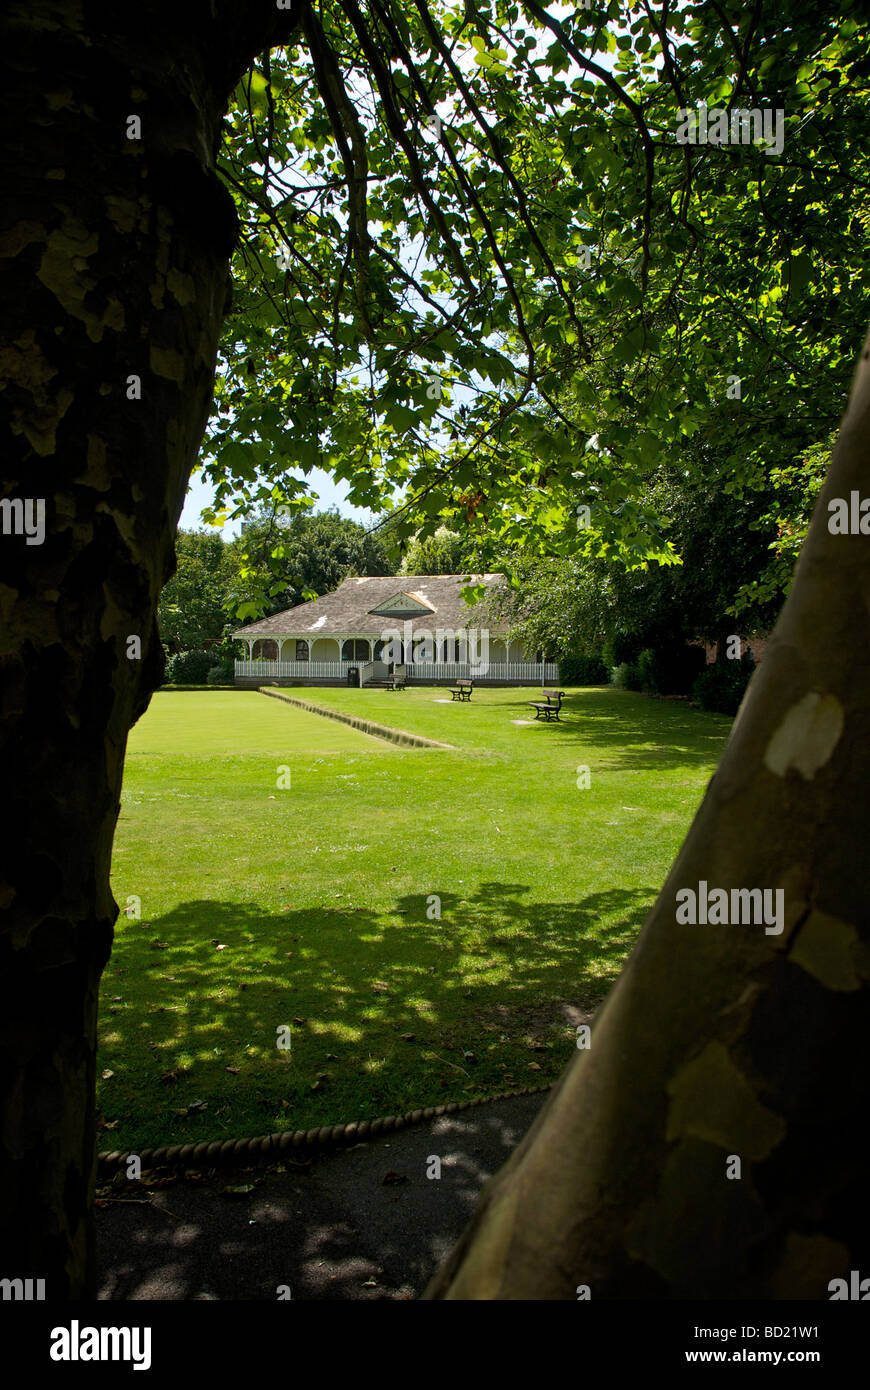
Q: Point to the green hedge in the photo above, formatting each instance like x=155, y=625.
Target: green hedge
x=221, y=674
x=626, y=676
x=582, y=670
x=189, y=668
x=721, y=687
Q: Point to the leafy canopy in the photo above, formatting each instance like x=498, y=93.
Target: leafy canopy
x=482, y=280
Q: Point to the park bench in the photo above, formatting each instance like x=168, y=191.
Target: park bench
x=461, y=690
x=549, y=707
x=398, y=679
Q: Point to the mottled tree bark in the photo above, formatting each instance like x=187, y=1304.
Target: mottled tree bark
x=723, y=1041
x=114, y=251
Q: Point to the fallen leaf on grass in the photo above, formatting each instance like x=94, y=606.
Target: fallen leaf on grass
x=193, y=1108
x=106, y=1074
x=235, y=1070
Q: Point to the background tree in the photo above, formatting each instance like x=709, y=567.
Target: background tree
x=444, y=552
x=720, y=554
x=281, y=561
x=192, y=612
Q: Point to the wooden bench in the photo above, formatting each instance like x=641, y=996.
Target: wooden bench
x=549, y=707
x=398, y=679
x=461, y=690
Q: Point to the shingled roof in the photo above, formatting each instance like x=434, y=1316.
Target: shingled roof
x=426, y=600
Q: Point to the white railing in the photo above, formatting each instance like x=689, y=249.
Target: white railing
x=493, y=670
x=417, y=671
x=255, y=670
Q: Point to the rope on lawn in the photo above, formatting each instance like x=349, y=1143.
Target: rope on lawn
x=265, y=1148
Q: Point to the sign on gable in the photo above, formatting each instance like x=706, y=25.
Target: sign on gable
x=401, y=606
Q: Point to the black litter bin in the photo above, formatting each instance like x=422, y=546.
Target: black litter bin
x=353, y=675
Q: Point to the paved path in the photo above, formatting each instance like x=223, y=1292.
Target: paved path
x=331, y=1228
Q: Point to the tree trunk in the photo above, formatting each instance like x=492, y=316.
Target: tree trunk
x=727, y=1042
x=113, y=255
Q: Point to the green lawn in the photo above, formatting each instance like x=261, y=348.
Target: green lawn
x=306, y=905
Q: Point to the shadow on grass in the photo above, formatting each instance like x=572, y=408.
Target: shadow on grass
x=606, y=719
x=386, y=1011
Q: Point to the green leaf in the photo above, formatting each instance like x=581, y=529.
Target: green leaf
x=800, y=273
x=248, y=610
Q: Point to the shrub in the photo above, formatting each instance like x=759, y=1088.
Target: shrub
x=720, y=687
x=189, y=668
x=625, y=676
x=222, y=674
x=582, y=670
x=618, y=650
x=647, y=672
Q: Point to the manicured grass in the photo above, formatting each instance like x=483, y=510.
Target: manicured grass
x=311, y=905
x=239, y=723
